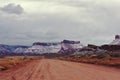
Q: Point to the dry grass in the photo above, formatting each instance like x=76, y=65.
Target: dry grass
x=9, y=62
x=103, y=61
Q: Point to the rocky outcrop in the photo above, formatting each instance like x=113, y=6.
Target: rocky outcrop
x=68, y=46
x=113, y=46
x=93, y=46
x=110, y=47
x=116, y=41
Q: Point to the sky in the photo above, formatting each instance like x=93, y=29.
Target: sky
x=88, y=21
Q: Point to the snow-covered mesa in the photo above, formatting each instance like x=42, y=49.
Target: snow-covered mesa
x=43, y=47
x=65, y=46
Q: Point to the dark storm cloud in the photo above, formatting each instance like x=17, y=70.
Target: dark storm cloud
x=12, y=9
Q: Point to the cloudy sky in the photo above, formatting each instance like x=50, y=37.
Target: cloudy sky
x=28, y=21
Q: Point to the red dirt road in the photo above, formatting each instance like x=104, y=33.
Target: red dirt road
x=48, y=69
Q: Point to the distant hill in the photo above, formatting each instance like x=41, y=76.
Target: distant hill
x=64, y=46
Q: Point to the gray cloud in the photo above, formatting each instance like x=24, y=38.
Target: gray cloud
x=12, y=9
x=93, y=22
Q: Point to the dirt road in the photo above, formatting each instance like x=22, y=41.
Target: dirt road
x=47, y=69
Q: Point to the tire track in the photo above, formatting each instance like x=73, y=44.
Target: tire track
x=47, y=69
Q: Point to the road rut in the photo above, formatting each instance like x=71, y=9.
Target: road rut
x=48, y=69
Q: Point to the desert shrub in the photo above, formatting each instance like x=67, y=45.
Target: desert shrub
x=2, y=68
x=115, y=55
x=100, y=56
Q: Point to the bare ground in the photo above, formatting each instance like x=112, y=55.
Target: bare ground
x=48, y=69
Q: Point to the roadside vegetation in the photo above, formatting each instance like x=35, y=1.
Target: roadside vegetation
x=14, y=61
x=103, y=59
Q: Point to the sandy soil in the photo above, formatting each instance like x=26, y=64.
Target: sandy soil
x=48, y=69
